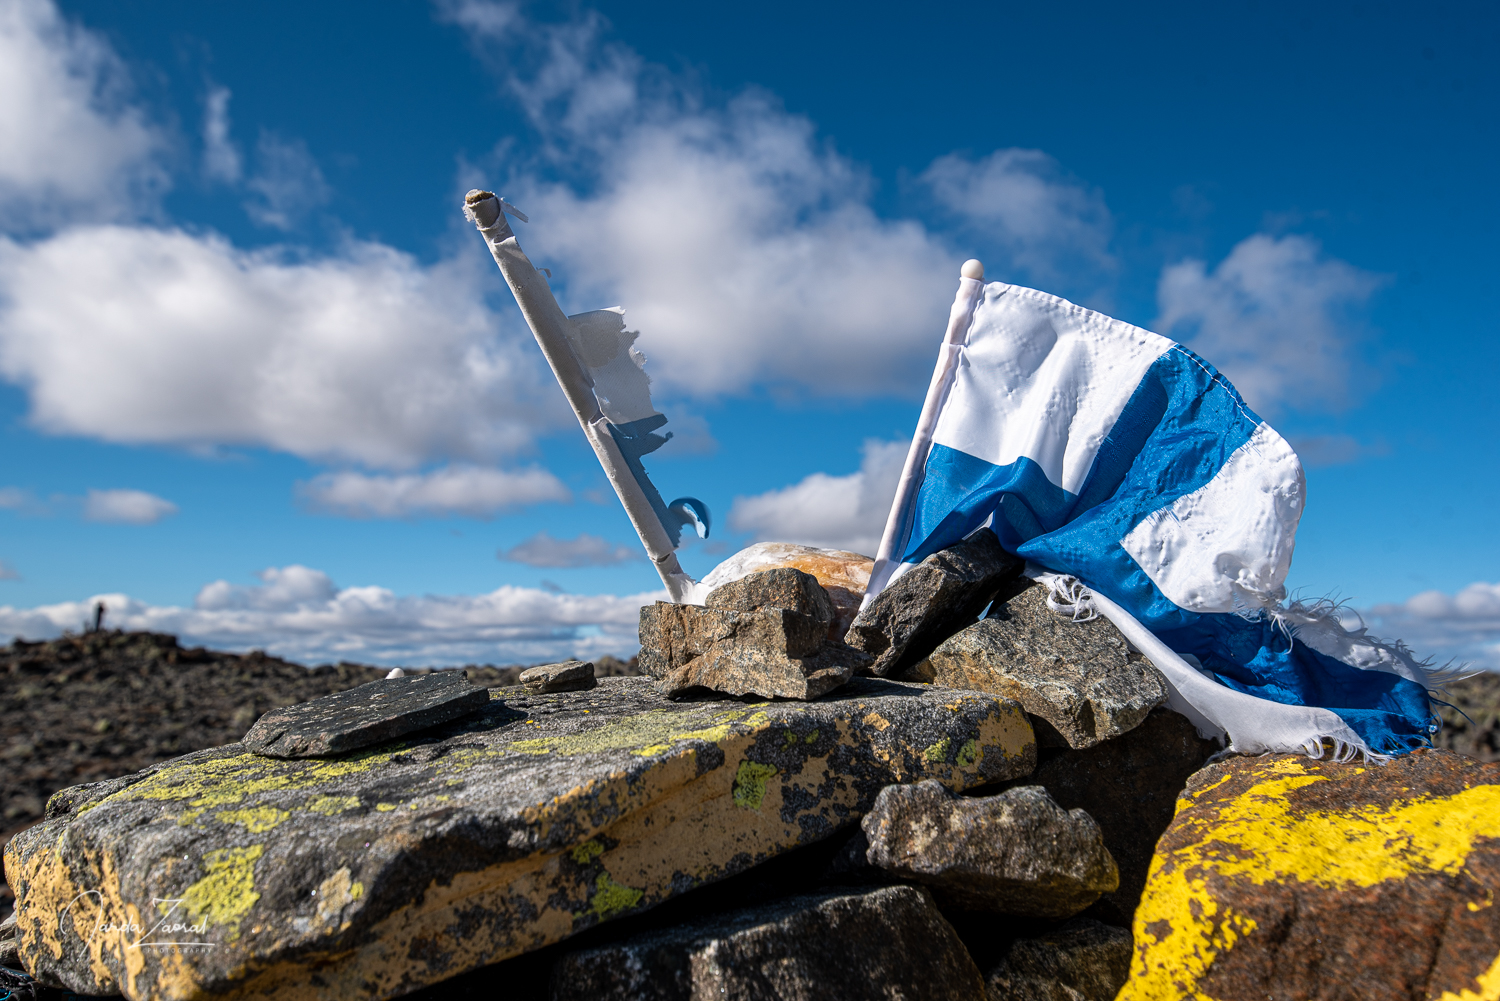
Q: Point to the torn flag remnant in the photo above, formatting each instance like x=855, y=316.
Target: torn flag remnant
x=1106, y=454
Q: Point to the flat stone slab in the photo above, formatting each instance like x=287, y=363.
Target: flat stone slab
x=375, y=873
x=853, y=945
x=361, y=717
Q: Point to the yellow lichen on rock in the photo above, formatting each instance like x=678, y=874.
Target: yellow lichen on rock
x=227, y=893
x=1268, y=835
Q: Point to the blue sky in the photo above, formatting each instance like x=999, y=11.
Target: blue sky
x=261, y=385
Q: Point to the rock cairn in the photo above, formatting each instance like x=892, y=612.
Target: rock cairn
x=802, y=800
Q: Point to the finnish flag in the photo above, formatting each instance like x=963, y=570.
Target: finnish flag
x=1134, y=480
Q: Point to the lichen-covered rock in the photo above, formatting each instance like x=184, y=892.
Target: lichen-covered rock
x=887, y=944
x=370, y=714
x=372, y=874
x=1129, y=785
x=1080, y=677
x=1286, y=877
x=1081, y=961
x=1015, y=853
x=931, y=601
x=844, y=575
x=568, y=676
x=776, y=652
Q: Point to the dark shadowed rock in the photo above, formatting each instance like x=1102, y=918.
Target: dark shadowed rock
x=885, y=944
x=379, y=711
x=1470, y=710
x=1081, y=677
x=772, y=651
x=1129, y=785
x=16, y=985
x=932, y=601
x=569, y=676
x=1282, y=876
x=1081, y=961
x=371, y=874
x=782, y=587
x=1015, y=853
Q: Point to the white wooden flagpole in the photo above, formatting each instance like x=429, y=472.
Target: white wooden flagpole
x=551, y=328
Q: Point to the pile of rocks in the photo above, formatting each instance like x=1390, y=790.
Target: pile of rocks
x=799, y=802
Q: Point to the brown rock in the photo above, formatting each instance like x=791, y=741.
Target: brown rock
x=932, y=601
x=1286, y=877
x=882, y=945
x=1471, y=716
x=746, y=643
x=844, y=575
x=1130, y=786
x=569, y=676
x=1015, y=853
x=1081, y=961
x=1082, y=678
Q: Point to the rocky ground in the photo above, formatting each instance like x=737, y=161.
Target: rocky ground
x=98, y=705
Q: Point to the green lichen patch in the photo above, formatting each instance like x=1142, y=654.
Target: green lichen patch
x=750, y=784
x=938, y=751
x=256, y=820
x=611, y=898
x=329, y=806
x=229, y=780
x=968, y=754
x=587, y=852
x=227, y=893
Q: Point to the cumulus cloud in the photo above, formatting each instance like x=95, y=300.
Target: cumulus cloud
x=126, y=507
x=366, y=356
x=1277, y=317
x=542, y=550
x=1462, y=627
x=837, y=512
x=71, y=142
x=743, y=247
x=1045, y=226
x=299, y=613
x=467, y=490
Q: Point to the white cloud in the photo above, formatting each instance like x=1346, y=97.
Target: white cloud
x=126, y=507
x=15, y=498
x=70, y=141
x=287, y=182
x=467, y=490
x=298, y=613
x=1463, y=627
x=1277, y=317
x=221, y=157
x=1047, y=227
x=836, y=512
x=743, y=247
x=366, y=357
x=542, y=550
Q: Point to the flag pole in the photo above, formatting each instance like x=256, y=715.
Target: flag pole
x=552, y=331
x=898, y=523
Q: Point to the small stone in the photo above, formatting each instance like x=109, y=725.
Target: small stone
x=843, y=575
x=569, y=676
x=1081, y=961
x=370, y=714
x=877, y=944
x=932, y=601
x=1015, y=853
x=1288, y=877
x=1129, y=785
x=772, y=652
x=1080, y=677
